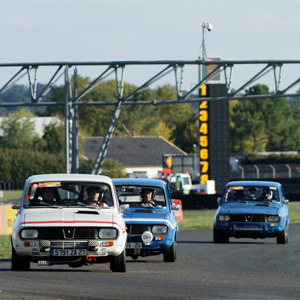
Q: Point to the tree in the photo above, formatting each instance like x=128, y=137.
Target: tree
x=113, y=169
x=247, y=128
x=18, y=131
x=53, y=140
x=263, y=124
x=18, y=164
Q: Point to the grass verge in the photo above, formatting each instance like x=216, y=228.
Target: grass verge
x=11, y=195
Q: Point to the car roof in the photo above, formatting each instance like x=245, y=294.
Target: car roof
x=69, y=177
x=140, y=181
x=253, y=182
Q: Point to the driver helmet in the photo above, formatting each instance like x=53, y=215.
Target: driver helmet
x=266, y=193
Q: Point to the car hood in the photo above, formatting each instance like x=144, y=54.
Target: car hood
x=145, y=215
x=54, y=217
x=250, y=207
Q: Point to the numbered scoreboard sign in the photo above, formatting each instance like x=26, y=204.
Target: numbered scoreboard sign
x=214, y=136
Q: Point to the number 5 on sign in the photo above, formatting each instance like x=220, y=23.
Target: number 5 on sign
x=203, y=141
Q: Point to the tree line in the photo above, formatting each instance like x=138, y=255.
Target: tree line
x=255, y=126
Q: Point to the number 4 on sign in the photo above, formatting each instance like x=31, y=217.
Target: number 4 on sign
x=203, y=128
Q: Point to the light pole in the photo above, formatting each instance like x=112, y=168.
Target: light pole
x=209, y=27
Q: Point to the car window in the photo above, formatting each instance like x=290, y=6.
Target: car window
x=251, y=193
x=65, y=193
x=133, y=195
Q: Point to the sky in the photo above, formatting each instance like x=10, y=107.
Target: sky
x=122, y=30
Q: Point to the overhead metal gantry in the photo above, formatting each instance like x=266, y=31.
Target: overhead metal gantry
x=116, y=70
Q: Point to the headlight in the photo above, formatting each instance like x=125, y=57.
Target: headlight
x=29, y=234
x=273, y=218
x=159, y=229
x=110, y=233
x=224, y=218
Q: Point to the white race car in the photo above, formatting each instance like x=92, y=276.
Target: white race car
x=72, y=219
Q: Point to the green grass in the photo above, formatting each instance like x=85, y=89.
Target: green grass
x=11, y=195
x=5, y=246
x=192, y=219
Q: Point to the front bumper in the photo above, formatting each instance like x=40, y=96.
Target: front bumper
x=253, y=230
x=71, y=250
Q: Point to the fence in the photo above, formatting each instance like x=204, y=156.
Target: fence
x=7, y=186
x=264, y=171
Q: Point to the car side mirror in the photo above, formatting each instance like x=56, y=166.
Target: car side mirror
x=175, y=207
x=286, y=201
x=16, y=206
x=219, y=200
x=124, y=207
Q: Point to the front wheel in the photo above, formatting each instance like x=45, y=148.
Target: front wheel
x=220, y=237
x=283, y=237
x=170, y=253
x=19, y=263
x=118, y=263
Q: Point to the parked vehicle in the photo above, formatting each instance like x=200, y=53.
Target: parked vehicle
x=182, y=183
x=71, y=219
x=252, y=209
x=151, y=222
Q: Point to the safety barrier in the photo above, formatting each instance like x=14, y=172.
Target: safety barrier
x=7, y=217
x=178, y=213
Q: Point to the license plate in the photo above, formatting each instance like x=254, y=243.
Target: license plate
x=68, y=252
x=134, y=245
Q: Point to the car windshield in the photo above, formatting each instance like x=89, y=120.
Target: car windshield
x=251, y=193
x=143, y=196
x=41, y=194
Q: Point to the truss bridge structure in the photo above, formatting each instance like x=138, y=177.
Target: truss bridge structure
x=174, y=71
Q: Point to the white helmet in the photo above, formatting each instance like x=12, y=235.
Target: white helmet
x=267, y=193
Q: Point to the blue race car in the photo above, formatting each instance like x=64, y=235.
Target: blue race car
x=151, y=222
x=252, y=209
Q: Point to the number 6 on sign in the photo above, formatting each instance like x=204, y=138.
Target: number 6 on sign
x=203, y=154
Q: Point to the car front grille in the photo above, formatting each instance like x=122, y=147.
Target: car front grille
x=62, y=233
x=69, y=245
x=248, y=218
x=137, y=229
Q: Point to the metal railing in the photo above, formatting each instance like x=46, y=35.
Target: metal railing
x=266, y=171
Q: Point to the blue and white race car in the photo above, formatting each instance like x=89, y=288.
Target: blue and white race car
x=252, y=209
x=151, y=222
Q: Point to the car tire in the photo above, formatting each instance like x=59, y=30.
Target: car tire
x=118, y=263
x=283, y=237
x=170, y=254
x=220, y=237
x=19, y=263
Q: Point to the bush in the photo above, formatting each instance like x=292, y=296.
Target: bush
x=16, y=164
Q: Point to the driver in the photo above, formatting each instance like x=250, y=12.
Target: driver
x=50, y=195
x=147, y=196
x=95, y=196
x=239, y=194
x=266, y=194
